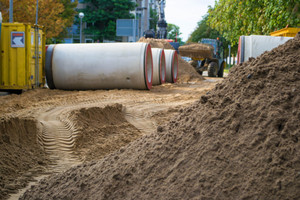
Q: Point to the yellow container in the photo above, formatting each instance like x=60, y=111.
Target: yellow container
x=18, y=69
x=286, y=32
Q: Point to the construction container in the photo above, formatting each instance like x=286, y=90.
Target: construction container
x=22, y=48
x=286, y=32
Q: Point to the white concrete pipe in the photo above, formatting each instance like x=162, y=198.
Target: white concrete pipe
x=171, y=66
x=99, y=66
x=159, y=66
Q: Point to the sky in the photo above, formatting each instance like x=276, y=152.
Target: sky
x=186, y=14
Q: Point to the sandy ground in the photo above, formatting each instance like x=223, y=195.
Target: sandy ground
x=237, y=139
x=240, y=140
x=45, y=132
x=77, y=126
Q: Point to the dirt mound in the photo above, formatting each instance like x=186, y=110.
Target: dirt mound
x=156, y=43
x=102, y=131
x=47, y=114
x=240, y=141
x=197, y=50
x=186, y=72
x=20, y=155
x=16, y=104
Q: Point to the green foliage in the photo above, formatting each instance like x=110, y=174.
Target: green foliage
x=69, y=12
x=172, y=29
x=153, y=19
x=101, y=16
x=234, y=18
x=205, y=31
x=68, y=15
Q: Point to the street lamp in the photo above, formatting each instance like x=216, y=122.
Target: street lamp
x=81, y=15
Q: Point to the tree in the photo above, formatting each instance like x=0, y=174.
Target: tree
x=233, y=18
x=101, y=16
x=68, y=14
x=174, y=32
x=51, y=14
x=69, y=11
x=203, y=31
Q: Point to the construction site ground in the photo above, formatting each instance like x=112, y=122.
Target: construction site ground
x=231, y=138
x=72, y=127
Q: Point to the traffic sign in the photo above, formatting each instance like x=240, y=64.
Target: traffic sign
x=17, y=39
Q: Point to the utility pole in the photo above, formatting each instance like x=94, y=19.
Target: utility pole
x=37, y=10
x=229, y=47
x=145, y=15
x=11, y=11
x=37, y=54
x=134, y=27
x=0, y=23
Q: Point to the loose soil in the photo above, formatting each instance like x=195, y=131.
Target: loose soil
x=197, y=50
x=20, y=155
x=239, y=141
x=157, y=43
x=109, y=131
x=46, y=131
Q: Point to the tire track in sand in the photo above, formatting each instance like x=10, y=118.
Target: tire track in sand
x=57, y=137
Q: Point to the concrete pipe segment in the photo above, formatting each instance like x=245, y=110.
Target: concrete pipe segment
x=99, y=66
x=171, y=66
x=159, y=66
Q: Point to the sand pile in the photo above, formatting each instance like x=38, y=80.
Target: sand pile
x=240, y=141
x=102, y=131
x=21, y=157
x=197, y=50
x=186, y=72
x=157, y=43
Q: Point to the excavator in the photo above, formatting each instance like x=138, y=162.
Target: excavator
x=207, y=55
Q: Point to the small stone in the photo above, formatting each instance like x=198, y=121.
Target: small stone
x=260, y=134
x=160, y=129
x=203, y=99
x=10, y=187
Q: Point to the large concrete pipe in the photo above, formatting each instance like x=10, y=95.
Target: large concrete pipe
x=171, y=66
x=159, y=66
x=99, y=66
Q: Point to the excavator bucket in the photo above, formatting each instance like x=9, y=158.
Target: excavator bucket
x=197, y=51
